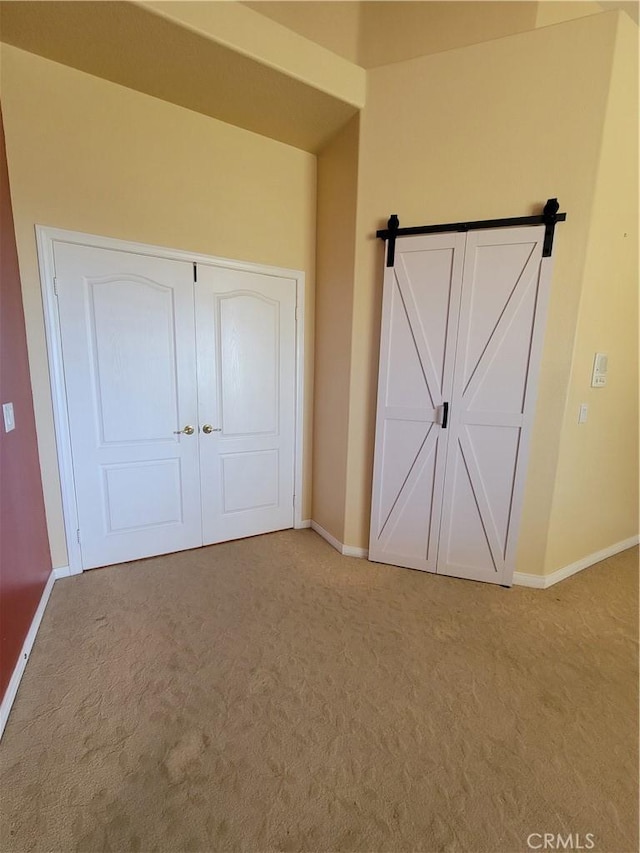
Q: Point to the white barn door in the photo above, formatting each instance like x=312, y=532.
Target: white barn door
x=462, y=328
x=246, y=380
x=420, y=313
x=497, y=358
x=128, y=342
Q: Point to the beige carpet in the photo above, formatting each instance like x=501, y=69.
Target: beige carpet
x=270, y=694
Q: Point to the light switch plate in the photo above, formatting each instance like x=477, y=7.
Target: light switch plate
x=9, y=420
x=599, y=375
x=582, y=416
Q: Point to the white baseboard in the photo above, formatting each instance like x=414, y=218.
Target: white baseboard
x=519, y=578
x=14, y=683
x=533, y=581
x=347, y=550
x=352, y=551
x=63, y=572
x=326, y=535
x=301, y=525
x=545, y=581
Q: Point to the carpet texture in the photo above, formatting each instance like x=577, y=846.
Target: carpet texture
x=270, y=694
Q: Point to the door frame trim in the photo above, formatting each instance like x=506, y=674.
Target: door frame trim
x=46, y=236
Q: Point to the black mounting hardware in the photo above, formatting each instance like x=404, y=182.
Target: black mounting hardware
x=549, y=218
x=445, y=415
x=392, y=229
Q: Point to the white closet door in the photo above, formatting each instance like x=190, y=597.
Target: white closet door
x=498, y=351
x=419, y=325
x=246, y=379
x=128, y=341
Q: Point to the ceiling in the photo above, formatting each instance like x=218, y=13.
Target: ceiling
x=631, y=7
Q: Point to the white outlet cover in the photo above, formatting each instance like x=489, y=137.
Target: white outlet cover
x=9, y=419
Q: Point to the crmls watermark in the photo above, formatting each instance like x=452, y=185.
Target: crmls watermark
x=557, y=841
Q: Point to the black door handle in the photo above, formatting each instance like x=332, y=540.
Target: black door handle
x=445, y=415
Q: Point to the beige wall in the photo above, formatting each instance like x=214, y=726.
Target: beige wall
x=92, y=156
x=482, y=132
x=337, y=199
x=595, y=501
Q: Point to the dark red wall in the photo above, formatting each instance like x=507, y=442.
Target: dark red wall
x=25, y=559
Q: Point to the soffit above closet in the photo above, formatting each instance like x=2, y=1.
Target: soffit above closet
x=135, y=46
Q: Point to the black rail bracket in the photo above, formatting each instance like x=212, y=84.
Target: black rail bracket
x=392, y=230
x=550, y=216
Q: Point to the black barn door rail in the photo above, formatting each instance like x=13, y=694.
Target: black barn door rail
x=548, y=218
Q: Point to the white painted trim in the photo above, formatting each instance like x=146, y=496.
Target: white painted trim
x=524, y=579
x=352, y=551
x=46, y=261
x=519, y=578
x=346, y=550
x=63, y=572
x=326, y=535
x=14, y=683
x=45, y=238
x=545, y=581
x=300, y=400
x=304, y=524
x=60, y=235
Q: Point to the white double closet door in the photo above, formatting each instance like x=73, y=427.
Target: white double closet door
x=462, y=330
x=181, y=400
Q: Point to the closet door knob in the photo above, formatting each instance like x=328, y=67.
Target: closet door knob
x=207, y=428
x=188, y=430
x=445, y=415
